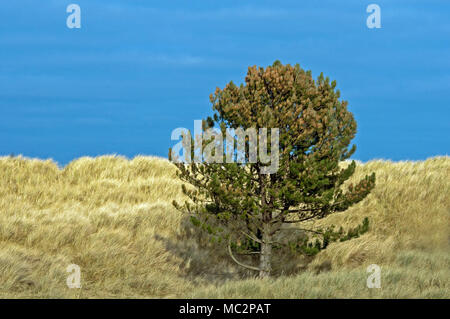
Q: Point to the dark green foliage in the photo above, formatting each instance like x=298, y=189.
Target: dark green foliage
x=311, y=248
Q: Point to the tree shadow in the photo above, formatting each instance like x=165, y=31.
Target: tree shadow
x=207, y=260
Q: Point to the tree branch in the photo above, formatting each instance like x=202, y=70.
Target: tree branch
x=308, y=230
x=238, y=262
x=299, y=220
x=252, y=237
x=301, y=210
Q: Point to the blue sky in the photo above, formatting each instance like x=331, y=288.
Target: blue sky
x=136, y=70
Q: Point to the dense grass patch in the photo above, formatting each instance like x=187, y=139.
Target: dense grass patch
x=113, y=217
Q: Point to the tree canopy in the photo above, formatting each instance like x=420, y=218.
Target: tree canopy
x=313, y=130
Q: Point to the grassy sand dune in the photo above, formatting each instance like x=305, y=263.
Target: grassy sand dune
x=113, y=217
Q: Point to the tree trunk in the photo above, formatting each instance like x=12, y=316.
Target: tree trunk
x=266, y=253
x=266, y=241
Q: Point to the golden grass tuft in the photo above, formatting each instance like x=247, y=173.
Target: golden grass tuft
x=113, y=217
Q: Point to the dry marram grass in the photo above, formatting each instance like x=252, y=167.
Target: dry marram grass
x=113, y=217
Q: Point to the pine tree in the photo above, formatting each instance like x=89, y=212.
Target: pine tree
x=244, y=201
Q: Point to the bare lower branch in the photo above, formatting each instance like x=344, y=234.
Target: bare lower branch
x=252, y=237
x=237, y=261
